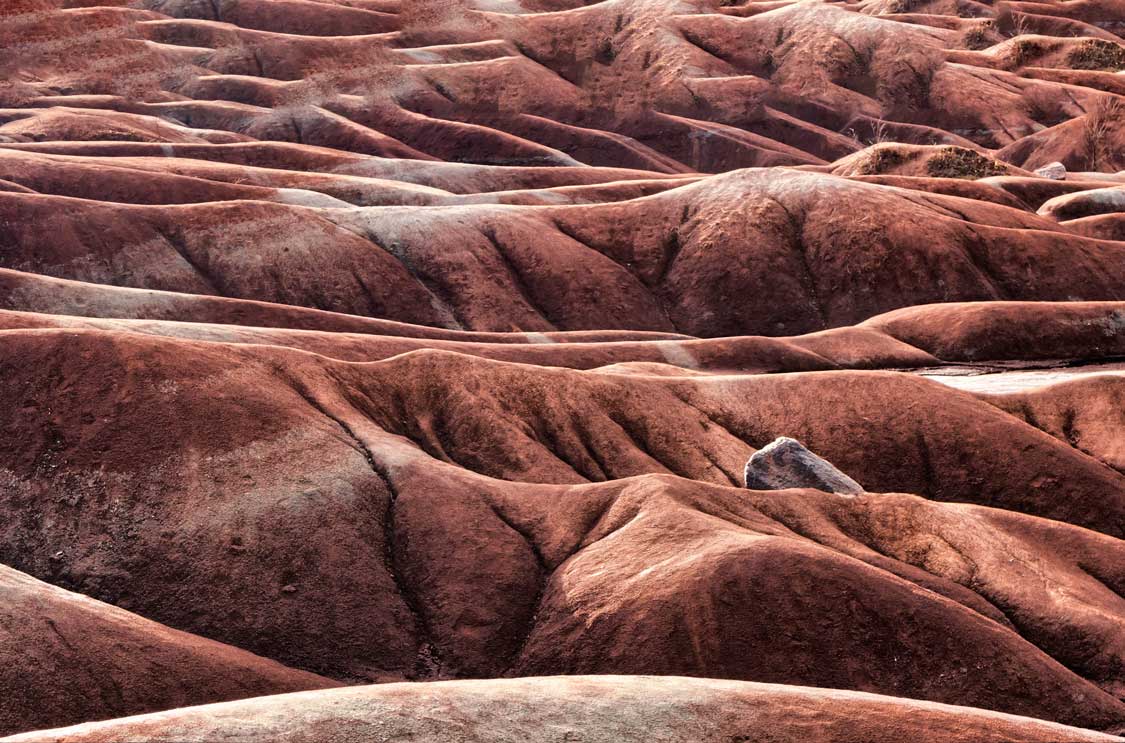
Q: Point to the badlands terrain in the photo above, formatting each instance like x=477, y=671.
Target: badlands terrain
x=378, y=370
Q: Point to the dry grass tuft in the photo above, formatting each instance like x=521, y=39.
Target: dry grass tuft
x=880, y=160
x=980, y=36
x=1097, y=54
x=1097, y=133
x=958, y=162
x=1024, y=51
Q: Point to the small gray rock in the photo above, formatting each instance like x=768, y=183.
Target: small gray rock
x=786, y=463
x=1056, y=171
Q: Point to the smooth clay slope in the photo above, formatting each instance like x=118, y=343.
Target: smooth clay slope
x=376, y=342
x=602, y=709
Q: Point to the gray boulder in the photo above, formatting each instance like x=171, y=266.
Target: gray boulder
x=1055, y=171
x=786, y=463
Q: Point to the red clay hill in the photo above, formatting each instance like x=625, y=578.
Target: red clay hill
x=419, y=348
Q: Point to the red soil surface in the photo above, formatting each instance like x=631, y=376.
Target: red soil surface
x=79, y=659
x=425, y=342
x=600, y=708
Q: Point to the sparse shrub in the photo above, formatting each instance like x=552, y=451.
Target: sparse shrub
x=959, y=162
x=605, y=53
x=1097, y=54
x=1011, y=23
x=769, y=64
x=975, y=38
x=979, y=36
x=881, y=133
x=880, y=160
x=1024, y=51
x=1098, y=131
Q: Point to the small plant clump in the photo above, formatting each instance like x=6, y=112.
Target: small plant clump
x=1024, y=51
x=978, y=37
x=880, y=160
x=605, y=53
x=1097, y=54
x=958, y=162
x=1097, y=133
